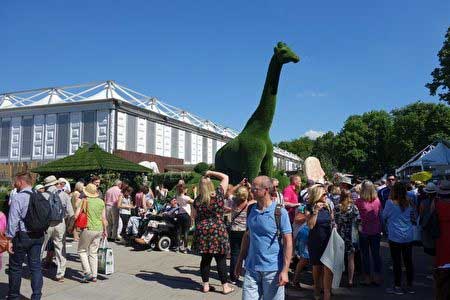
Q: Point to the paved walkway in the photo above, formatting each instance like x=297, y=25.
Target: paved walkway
x=167, y=275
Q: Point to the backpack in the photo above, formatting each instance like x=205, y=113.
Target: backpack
x=57, y=211
x=277, y=214
x=37, y=218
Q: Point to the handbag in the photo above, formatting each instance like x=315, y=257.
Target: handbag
x=234, y=218
x=4, y=243
x=82, y=220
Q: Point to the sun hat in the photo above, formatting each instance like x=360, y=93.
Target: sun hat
x=91, y=190
x=38, y=187
x=50, y=180
x=346, y=180
x=444, y=187
x=430, y=188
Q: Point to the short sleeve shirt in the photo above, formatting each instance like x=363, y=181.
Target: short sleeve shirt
x=265, y=254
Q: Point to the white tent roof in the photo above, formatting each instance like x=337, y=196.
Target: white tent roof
x=440, y=155
x=111, y=90
x=435, y=154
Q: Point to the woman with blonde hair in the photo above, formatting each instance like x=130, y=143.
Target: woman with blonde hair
x=238, y=223
x=346, y=216
x=76, y=201
x=210, y=236
x=319, y=219
x=370, y=208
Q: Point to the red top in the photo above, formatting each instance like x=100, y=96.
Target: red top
x=443, y=242
x=290, y=195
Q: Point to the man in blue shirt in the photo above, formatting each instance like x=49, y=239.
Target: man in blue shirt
x=383, y=194
x=22, y=242
x=266, y=258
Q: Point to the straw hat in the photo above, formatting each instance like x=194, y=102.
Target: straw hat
x=50, y=180
x=90, y=190
x=444, y=187
x=430, y=188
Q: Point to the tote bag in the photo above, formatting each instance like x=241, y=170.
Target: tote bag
x=105, y=258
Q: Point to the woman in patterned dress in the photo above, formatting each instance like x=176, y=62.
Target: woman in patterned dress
x=346, y=216
x=210, y=236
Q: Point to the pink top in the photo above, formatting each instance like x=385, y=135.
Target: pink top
x=370, y=213
x=290, y=195
x=2, y=229
x=139, y=200
x=112, y=196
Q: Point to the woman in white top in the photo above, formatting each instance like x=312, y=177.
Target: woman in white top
x=125, y=206
x=184, y=217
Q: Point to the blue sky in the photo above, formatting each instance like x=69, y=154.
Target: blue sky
x=211, y=57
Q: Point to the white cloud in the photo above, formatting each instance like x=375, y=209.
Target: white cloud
x=313, y=134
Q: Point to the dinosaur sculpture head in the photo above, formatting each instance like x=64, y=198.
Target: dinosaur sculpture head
x=284, y=54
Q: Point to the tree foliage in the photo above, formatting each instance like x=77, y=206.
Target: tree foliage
x=441, y=75
x=376, y=142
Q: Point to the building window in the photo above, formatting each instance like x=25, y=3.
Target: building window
x=62, y=134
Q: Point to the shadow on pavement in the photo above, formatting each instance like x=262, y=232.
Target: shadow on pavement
x=4, y=292
x=175, y=282
x=195, y=270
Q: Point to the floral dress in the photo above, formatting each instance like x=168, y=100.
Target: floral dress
x=345, y=222
x=211, y=236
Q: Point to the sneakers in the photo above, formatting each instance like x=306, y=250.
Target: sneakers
x=395, y=290
x=409, y=290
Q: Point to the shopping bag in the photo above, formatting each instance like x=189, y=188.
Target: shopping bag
x=333, y=257
x=105, y=258
x=417, y=231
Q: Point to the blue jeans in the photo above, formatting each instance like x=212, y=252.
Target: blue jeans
x=23, y=245
x=262, y=286
x=371, y=242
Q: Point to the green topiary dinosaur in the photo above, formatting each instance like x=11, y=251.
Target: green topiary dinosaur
x=251, y=152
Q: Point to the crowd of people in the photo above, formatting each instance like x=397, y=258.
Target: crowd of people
x=262, y=229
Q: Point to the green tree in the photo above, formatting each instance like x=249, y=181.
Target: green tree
x=325, y=150
x=416, y=126
x=441, y=75
x=302, y=146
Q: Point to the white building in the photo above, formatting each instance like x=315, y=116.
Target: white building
x=50, y=123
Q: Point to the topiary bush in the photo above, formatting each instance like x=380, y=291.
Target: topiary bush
x=202, y=167
x=170, y=179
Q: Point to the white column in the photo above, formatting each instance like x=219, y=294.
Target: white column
x=181, y=142
x=50, y=136
x=193, y=148
x=38, y=137
x=210, y=151
x=102, y=129
x=75, y=131
x=159, y=139
x=199, y=148
x=15, y=138
x=167, y=141
x=121, y=131
x=141, y=135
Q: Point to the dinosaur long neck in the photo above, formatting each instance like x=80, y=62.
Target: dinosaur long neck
x=261, y=120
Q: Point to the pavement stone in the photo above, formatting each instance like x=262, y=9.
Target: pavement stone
x=169, y=275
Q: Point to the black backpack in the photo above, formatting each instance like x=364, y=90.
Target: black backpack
x=37, y=218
